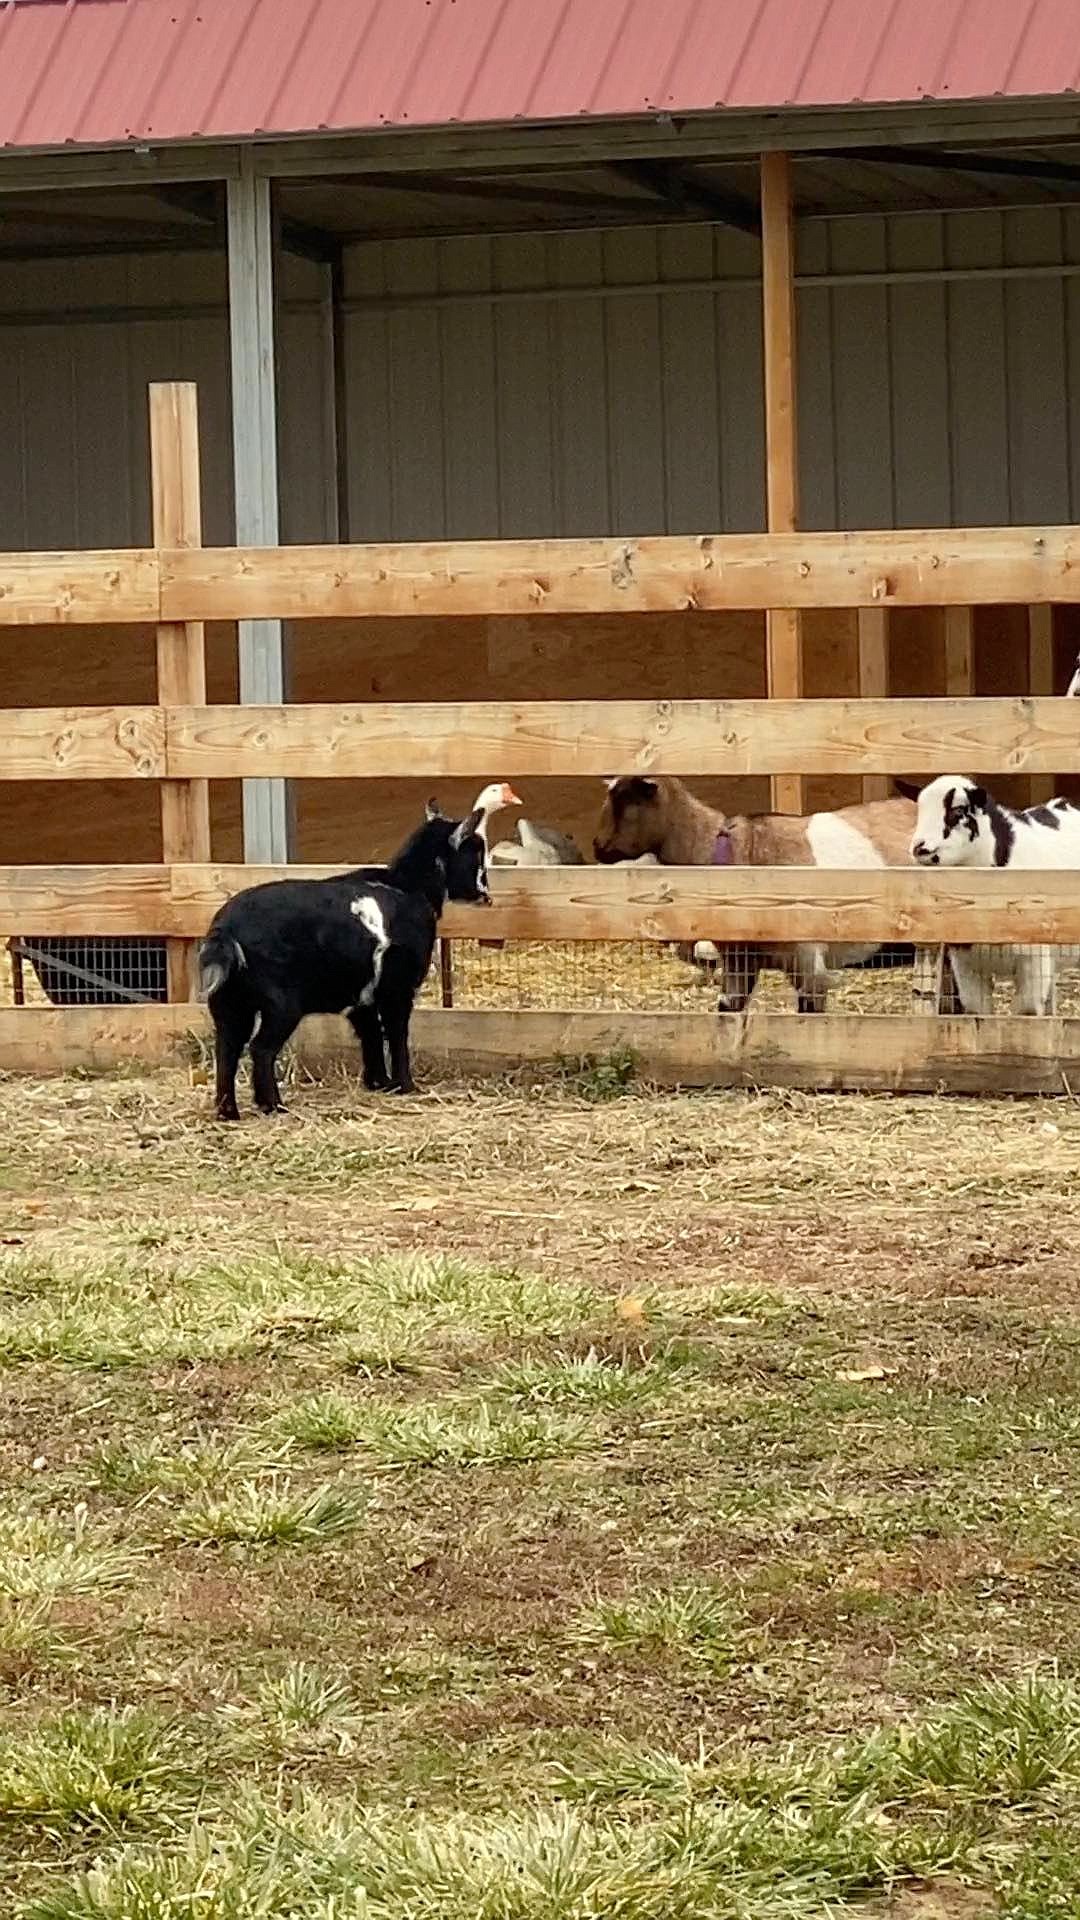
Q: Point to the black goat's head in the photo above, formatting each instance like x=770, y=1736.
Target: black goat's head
x=466, y=861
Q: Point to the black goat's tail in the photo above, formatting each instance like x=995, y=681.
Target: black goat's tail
x=220, y=957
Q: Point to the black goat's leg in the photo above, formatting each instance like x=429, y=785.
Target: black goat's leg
x=395, y=1012
x=233, y=1021
x=367, y=1027
x=274, y=1029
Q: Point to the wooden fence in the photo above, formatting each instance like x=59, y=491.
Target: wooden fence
x=182, y=743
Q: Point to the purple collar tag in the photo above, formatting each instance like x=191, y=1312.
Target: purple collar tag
x=721, y=853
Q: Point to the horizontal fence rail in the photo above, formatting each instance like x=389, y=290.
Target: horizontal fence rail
x=540, y=737
x=747, y=572
x=967, y=566
x=873, y=1052
x=770, y=905
x=66, y=589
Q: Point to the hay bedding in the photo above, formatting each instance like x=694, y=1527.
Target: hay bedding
x=634, y=975
x=625, y=975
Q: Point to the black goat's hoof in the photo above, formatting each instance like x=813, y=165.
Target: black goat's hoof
x=227, y=1113
x=376, y=1086
x=271, y=1112
x=403, y=1086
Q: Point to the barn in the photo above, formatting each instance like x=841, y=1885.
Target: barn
x=494, y=272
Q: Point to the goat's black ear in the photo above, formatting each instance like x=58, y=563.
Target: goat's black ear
x=977, y=798
x=639, y=789
x=433, y=810
x=466, y=828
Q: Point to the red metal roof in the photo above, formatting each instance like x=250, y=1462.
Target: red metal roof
x=98, y=72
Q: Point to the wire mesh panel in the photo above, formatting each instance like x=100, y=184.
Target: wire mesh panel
x=664, y=977
x=90, y=970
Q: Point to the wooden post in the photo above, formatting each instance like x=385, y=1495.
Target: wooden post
x=959, y=652
x=934, y=986
x=874, y=680
x=783, y=627
x=1041, y=786
x=181, y=644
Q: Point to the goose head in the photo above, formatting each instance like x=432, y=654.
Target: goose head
x=494, y=797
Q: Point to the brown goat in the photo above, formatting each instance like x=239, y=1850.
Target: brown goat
x=664, y=818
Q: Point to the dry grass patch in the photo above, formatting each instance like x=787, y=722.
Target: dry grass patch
x=522, y=1503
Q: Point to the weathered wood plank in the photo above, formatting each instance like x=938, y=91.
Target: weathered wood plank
x=181, y=645
x=1041, y=787
x=749, y=571
x=959, y=652
x=831, y=1052
x=773, y=904
x=849, y=1052
x=492, y=739
x=69, y=589
x=83, y=743
x=486, y=738
x=873, y=644
x=91, y=899
x=965, y=566
x=596, y=903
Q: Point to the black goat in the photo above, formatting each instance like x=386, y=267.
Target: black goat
x=359, y=944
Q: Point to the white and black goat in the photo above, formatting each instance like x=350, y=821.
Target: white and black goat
x=359, y=944
x=959, y=824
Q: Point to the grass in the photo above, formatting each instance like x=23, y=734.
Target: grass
x=274, y=1514
x=43, y=1554
x=428, y=1436
x=538, y=1504
x=99, y=1770
x=693, y=1622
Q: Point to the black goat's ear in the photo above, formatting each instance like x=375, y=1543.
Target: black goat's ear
x=640, y=790
x=977, y=799
x=433, y=810
x=466, y=828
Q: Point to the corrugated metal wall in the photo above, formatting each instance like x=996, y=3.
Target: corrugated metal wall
x=80, y=341
x=611, y=382
x=578, y=383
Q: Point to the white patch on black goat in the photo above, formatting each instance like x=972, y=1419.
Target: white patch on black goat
x=373, y=920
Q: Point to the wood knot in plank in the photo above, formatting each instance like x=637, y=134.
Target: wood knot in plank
x=141, y=747
x=622, y=567
x=882, y=588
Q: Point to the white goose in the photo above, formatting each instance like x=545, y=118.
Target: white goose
x=492, y=799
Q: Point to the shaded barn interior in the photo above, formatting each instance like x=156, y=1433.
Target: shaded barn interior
x=482, y=358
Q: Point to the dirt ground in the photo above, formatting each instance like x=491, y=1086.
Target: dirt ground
x=518, y=1502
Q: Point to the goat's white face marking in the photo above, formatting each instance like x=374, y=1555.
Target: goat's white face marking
x=1072, y=691
x=373, y=920
x=946, y=822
